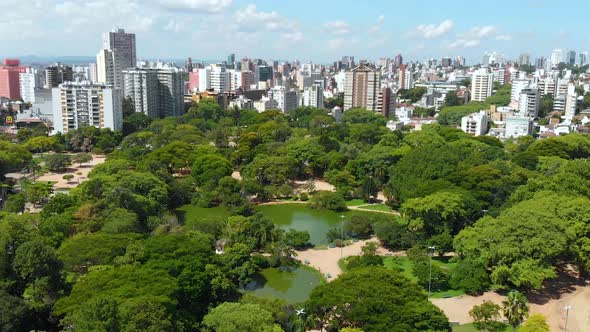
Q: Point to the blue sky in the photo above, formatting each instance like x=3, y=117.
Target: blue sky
x=319, y=30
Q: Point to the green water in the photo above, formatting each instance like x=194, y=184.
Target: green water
x=295, y=216
x=302, y=218
x=293, y=286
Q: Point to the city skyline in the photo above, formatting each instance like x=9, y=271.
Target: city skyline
x=318, y=31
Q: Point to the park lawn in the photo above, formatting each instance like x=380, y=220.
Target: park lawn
x=471, y=328
x=355, y=202
x=376, y=207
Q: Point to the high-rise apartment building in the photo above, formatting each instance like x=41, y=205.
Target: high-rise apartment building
x=30, y=80
x=220, y=79
x=314, y=96
x=361, y=88
x=286, y=99
x=529, y=102
x=141, y=85
x=517, y=86
x=524, y=59
x=10, y=79
x=171, y=92
x=80, y=104
x=109, y=67
x=58, y=74
x=405, y=77
x=556, y=57
x=124, y=43
x=155, y=92
x=481, y=85
x=92, y=72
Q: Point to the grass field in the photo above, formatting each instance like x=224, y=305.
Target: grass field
x=355, y=202
x=471, y=328
x=376, y=207
x=405, y=265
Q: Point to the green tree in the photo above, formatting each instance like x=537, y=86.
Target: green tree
x=328, y=200
x=210, y=168
x=486, y=316
x=15, y=203
x=229, y=317
x=82, y=158
x=297, y=239
x=535, y=323
x=451, y=99
x=57, y=162
x=515, y=308
x=369, y=298
x=97, y=315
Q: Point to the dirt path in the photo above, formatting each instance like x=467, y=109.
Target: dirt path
x=326, y=260
x=457, y=308
x=80, y=174
x=360, y=208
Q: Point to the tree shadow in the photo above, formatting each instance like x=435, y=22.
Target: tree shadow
x=568, y=279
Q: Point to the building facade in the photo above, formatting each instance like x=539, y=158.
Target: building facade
x=481, y=85
x=314, y=96
x=475, y=124
x=109, y=67
x=30, y=80
x=141, y=85
x=10, y=71
x=124, y=43
x=361, y=88
x=80, y=104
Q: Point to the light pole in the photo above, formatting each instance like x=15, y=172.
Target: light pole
x=430, y=250
x=341, y=236
x=567, y=312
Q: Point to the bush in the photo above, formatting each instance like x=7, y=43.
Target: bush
x=360, y=226
x=297, y=239
x=304, y=197
x=328, y=200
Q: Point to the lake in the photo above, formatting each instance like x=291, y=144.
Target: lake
x=293, y=286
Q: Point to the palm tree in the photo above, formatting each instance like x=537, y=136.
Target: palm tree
x=516, y=308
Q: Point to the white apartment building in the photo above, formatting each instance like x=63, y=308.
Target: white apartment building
x=109, y=68
x=518, y=126
x=80, y=104
x=204, y=79
x=29, y=81
x=171, y=92
x=314, y=96
x=220, y=79
x=517, y=86
x=286, y=99
x=556, y=57
x=265, y=104
x=481, y=85
x=142, y=86
x=529, y=102
x=475, y=124
x=571, y=102
x=242, y=103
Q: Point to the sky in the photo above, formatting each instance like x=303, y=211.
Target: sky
x=305, y=30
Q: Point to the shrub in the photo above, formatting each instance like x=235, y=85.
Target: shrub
x=328, y=200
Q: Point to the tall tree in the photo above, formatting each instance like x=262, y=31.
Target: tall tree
x=515, y=308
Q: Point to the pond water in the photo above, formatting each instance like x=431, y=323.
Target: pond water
x=295, y=216
x=302, y=218
x=293, y=286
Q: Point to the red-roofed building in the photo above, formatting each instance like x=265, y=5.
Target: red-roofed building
x=9, y=78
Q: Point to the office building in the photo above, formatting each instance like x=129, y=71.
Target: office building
x=518, y=126
x=446, y=62
x=529, y=102
x=556, y=57
x=30, y=80
x=142, y=86
x=10, y=71
x=571, y=58
x=481, y=85
x=124, y=43
x=583, y=58
x=314, y=96
x=81, y=104
x=264, y=74
x=540, y=63
x=109, y=67
x=475, y=124
x=58, y=74
x=361, y=88
x=231, y=60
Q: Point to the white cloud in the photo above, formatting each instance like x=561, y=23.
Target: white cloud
x=294, y=37
x=380, y=19
x=482, y=32
x=338, y=27
x=433, y=31
x=464, y=43
x=249, y=19
x=339, y=43
x=504, y=37
x=211, y=6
